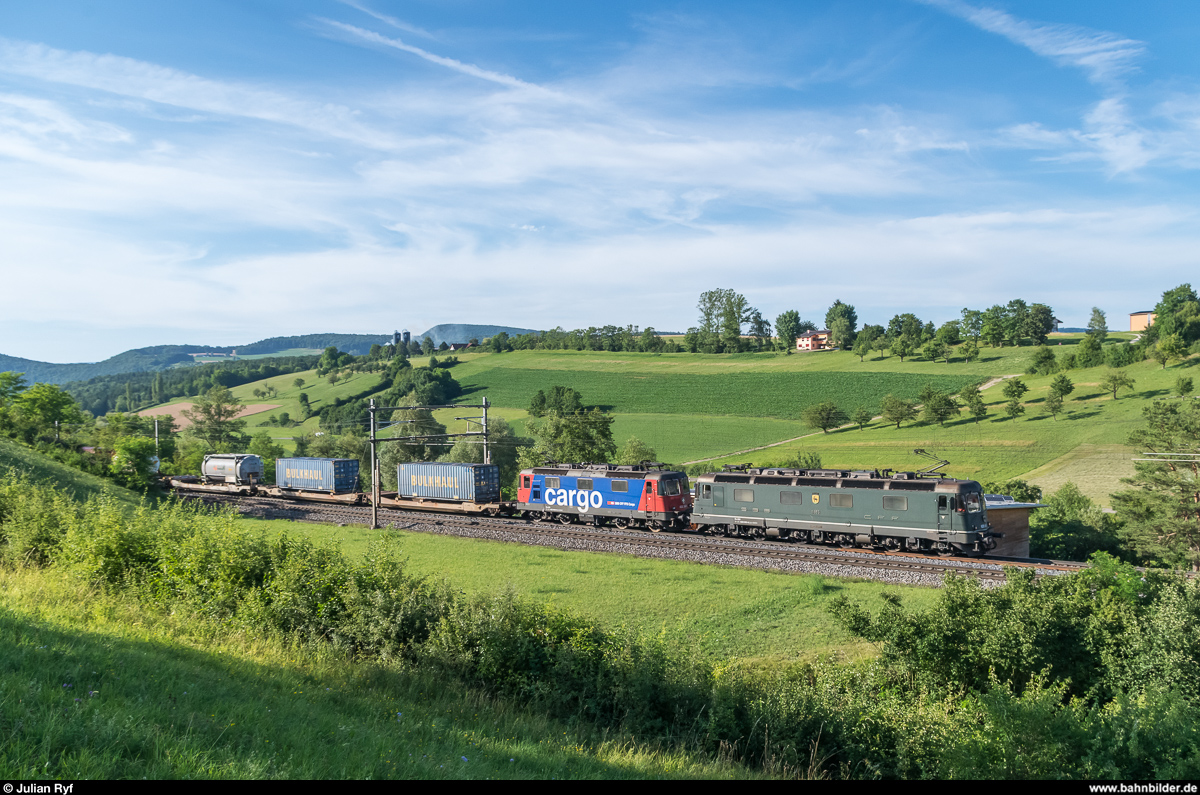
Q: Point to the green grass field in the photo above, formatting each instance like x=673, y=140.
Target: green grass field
x=696, y=407
x=95, y=686
x=759, y=616
x=1085, y=444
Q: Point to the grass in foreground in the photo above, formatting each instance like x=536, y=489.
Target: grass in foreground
x=93, y=686
x=763, y=617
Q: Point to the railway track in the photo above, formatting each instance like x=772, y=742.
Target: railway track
x=730, y=551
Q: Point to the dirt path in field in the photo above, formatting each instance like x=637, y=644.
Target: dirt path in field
x=987, y=385
x=176, y=410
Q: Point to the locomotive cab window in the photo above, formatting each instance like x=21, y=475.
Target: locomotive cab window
x=705, y=491
x=943, y=502
x=584, y=484
x=743, y=495
x=893, y=503
x=671, y=488
x=620, y=485
x=973, y=503
x=525, y=481
x=841, y=500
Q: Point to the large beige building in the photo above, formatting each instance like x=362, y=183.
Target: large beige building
x=1140, y=321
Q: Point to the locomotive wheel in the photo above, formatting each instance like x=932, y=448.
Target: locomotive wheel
x=654, y=527
x=622, y=522
x=566, y=518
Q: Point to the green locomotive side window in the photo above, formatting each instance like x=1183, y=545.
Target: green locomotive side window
x=743, y=495
x=791, y=498
x=892, y=503
x=841, y=500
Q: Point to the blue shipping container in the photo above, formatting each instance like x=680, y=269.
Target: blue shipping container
x=334, y=475
x=457, y=482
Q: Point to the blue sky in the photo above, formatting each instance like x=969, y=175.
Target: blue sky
x=220, y=172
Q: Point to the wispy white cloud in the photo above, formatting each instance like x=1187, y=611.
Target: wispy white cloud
x=133, y=78
x=450, y=63
x=399, y=24
x=1104, y=56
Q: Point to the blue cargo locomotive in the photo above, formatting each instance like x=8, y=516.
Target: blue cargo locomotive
x=625, y=496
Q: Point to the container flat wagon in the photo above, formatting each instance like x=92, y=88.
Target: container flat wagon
x=459, y=488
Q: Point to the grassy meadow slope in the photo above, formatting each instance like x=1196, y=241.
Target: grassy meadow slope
x=41, y=469
x=696, y=407
x=97, y=686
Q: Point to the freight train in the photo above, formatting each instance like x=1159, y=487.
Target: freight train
x=861, y=508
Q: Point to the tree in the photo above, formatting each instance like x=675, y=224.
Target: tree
x=265, y=448
x=787, y=329
x=1043, y=362
x=1014, y=389
x=824, y=415
x=968, y=350
x=862, y=415
x=1168, y=348
x=898, y=410
x=11, y=385
x=760, y=329
x=1061, y=385
x=734, y=313
x=1089, y=353
x=503, y=444
x=214, y=419
x=1039, y=323
x=1161, y=514
x=1053, y=404
x=1016, y=325
x=561, y=400
x=864, y=343
x=993, y=323
x=940, y=407
x=971, y=396
x=1098, y=326
x=1183, y=386
x=1115, y=380
x=635, y=451
x=585, y=437
x=408, y=422
x=972, y=323
x=950, y=332
x=841, y=320
x=936, y=349
x=903, y=346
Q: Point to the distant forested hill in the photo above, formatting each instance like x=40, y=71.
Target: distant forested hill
x=465, y=332
x=357, y=344
x=158, y=357
x=164, y=357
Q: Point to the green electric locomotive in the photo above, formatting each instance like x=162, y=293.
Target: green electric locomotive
x=884, y=509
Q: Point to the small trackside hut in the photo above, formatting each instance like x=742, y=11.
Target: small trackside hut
x=892, y=511
x=643, y=495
